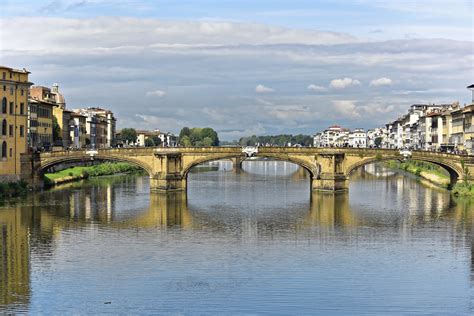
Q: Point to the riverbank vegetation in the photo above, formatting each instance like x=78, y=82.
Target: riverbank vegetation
x=78, y=173
x=13, y=189
x=433, y=173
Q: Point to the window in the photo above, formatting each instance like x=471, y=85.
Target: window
x=4, y=105
x=4, y=88
x=4, y=76
x=22, y=92
x=10, y=130
x=22, y=131
x=4, y=149
x=22, y=108
x=4, y=127
x=11, y=90
x=11, y=107
x=11, y=152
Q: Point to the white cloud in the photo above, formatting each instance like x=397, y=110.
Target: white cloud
x=316, y=88
x=213, y=64
x=116, y=32
x=381, y=82
x=262, y=89
x=156, y=93
x=344, y=83
x=151, y=122
x=346, y=108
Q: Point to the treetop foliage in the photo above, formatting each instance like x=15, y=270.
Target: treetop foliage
x=198, y=137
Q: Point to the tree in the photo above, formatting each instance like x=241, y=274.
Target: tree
x=208, y=132
x=207, y=142
x=56, y=131
x=185, y=141
x=156, y=140
x=149, y=142
x=185, y=131
x=378, y=142
x=129, y=135
x=197, y=136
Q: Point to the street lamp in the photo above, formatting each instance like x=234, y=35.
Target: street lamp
x=471, y=87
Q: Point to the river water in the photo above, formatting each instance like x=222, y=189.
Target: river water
x=254, y=242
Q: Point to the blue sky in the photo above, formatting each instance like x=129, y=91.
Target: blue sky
x=245, y=67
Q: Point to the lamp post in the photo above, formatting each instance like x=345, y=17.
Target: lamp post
x=471, y=87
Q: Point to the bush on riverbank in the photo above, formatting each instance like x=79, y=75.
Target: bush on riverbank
x=77, y=173
x=463, y=189
x=13, y=189
x=428, y=171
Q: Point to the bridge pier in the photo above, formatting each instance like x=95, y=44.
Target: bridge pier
x=237, y=164
x=167, y=183
x=330, y=183
x=331, y=177
x=167, y=173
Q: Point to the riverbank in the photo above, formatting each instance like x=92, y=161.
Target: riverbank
x=13, y=189
x=433, y=174
x=79, y=173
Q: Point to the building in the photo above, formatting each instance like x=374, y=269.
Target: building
x=100, y=127
x=468, y=113
x=40, y=124
x=14, y=87
x=333, y=136
x=62, y=116
x=358, y=138
x=166, y=139
x=78, y=132
x=376, y=137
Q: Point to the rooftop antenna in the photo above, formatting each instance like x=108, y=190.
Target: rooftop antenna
x=471, y=87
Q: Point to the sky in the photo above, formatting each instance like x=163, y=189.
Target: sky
x=245, y=67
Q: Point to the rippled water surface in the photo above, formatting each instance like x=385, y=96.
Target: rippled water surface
x=254, y=242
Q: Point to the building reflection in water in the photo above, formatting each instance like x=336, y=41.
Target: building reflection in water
x=15, y=224
x=31, y=227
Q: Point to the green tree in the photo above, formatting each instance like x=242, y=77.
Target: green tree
x=207, y=141
x=185, y=141
x=149, y=142
x=195, y=136
x=129, y=135
x=208, y=132
x=156, y=140
x=378, y=141
x=185, y=131
x=56, y=131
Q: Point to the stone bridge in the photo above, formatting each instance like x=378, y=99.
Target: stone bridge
x=168, y=168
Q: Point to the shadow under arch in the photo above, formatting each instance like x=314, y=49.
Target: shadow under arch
x=312, y=170
x=454, y=172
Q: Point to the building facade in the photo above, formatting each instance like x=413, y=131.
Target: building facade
x=100, y=127
x=14, y=87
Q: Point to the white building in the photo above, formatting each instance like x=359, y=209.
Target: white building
x=358, y=138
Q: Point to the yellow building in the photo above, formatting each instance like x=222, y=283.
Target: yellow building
x=14, y=120
x=40, y=122
x=468, y=112
x=457, y=132
x=63, y=116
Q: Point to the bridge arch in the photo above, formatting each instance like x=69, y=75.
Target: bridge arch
x=187, y=167
x=313, y=170
x=455, y=172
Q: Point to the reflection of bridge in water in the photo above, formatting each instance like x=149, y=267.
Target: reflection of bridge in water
x=35, y=225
